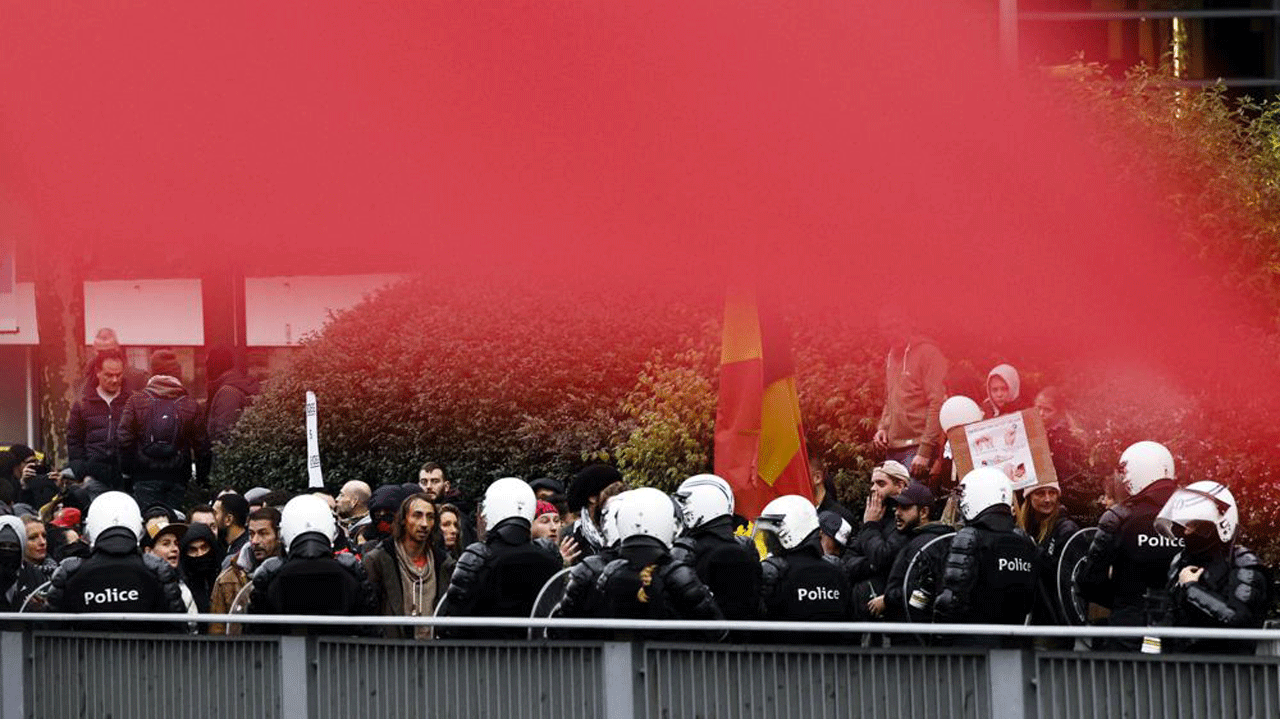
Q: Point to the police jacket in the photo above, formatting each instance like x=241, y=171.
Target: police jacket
x=728, y=564
x=1231, y=592
x=192, y=441
x=989, y=576
x=894, y=599
x=871, y=552
x=645, y=582
x=800, y=586
x=1128, y=557
x=117, y=578
x=92, y=428
x=580, y=598
x=312, y=580
x=500, y=577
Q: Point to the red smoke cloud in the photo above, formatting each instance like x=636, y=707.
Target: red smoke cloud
x=859, y=154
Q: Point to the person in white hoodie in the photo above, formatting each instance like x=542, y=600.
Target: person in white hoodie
x=1004, y=387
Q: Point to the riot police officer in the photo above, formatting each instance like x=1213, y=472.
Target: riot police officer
x=1125, y=569
x=117, y=576
x=501, y=576
x=1213, y=582
x=729, y=565
x=797, y=583
x=579, y=596
x=989, y=576
x=645, y=581
x=311, y=578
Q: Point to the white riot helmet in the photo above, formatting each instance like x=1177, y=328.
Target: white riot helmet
x=648, y=512
x=1203, y=501
x=609, y=519
x=509, y=497
x=109, y=511
x=982, y=488
x=958, y=410
x=307, y=514
x=1144, y=463
x=790, y=519
x=702, y=498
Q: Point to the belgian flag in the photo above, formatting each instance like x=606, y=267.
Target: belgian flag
x=760, y=448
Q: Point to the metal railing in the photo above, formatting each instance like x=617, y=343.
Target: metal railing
x=48, y=672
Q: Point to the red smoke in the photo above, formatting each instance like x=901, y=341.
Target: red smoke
x=859, y=153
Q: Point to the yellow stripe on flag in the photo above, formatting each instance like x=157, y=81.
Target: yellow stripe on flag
x=779, y=429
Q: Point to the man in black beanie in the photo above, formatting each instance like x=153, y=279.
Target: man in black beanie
x=588, y=492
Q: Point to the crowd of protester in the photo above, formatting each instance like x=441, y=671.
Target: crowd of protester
x=113, y=532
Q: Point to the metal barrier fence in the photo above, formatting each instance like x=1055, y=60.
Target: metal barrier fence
x=50, y=673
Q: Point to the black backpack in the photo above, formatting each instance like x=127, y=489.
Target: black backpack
x=160, y=437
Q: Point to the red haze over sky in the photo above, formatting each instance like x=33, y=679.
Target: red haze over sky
x=856, y=153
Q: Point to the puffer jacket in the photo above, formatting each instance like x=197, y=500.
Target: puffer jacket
x=235, y=391
x=92, y=436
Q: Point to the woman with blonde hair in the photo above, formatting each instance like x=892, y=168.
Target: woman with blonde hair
x=1042, y=517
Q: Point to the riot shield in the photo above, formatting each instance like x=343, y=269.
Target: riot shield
x=239, y=605
x=1071, y=605
x=548, y=597
x=920, y=584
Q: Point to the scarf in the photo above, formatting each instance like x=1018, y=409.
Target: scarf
x=417, y=588
x=589, y=530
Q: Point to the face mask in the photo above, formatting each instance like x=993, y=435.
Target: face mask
x=10, y=560
x=201, y=565
x=1198, y=544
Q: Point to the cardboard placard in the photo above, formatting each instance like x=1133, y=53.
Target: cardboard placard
x=1013, y=443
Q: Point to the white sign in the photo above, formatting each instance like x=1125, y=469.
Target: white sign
x=280, y=311
x=146, y=312
x=1002, y=443
x=315, y=479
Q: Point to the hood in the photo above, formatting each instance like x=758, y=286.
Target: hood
x=239, y=380
x=1010, y=376
x=162, y=386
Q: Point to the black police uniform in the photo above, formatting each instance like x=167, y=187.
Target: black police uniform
x=117, y=577
x=312, y=580
x=643, y=581
x=1128, y=560
x=990, y=575
x=1232, y=593
x=500, y=577
x=728, y=564
x=799, y=585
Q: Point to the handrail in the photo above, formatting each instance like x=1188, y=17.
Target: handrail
x=1000, y=630
x=1070, y=16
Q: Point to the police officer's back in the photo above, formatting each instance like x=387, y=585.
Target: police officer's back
x=1214, y=582
x=798, y=584
x=1127, y=562
x=989, y=576
x=311, y=578
x=729, y=565
x=580, y=598
x=501, y=576
x=116, y=577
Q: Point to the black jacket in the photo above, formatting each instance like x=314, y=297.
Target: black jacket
x=192, y=440
x=500, y=577
x=312, y=580
x=1047, y=609
x=801, y=586
x=117, y=578
x=989, y=577
x=234, y=391
x=729, y=565
x=1128, y=557
x=646, y=582
x=1231, y=593
x=383, y=570
x=871, y=552
x=92, y=431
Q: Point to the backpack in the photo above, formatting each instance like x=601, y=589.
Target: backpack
x=160, y=436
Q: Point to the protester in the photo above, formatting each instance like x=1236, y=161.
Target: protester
x=18, y=577
x=409, y=570
x=588, y=492
x=450, y=535
x=1004, y=388
x=162, y=435
x=914, y=518
x=871, y=552
x=1044, y=519
x=915, y=375
x=92, y=440
x=264, y=543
